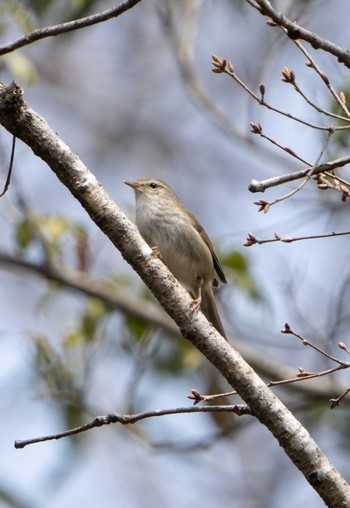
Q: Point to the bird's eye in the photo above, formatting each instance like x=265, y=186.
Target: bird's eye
x=153, y=185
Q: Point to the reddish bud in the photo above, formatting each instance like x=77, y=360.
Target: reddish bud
x=216, y=60
x=251, y=240
x=286, y=329
x=289, y=150
x=255, y=128
x=324, y=77
x=288, y=75
x=334, y=403
x=264, y=205
x=302, y=372
x=195, y=396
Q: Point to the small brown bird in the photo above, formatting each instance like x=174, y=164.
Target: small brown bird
x=184, y=246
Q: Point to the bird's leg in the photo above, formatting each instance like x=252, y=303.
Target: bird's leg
x=196, y=303
x=156, y=252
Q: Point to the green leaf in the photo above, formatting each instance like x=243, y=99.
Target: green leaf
x=96, y=311
x=21, y=68
x=25, y=234
x=179, y=355
x=236, y=262
x=137, y=327
x=239, y=265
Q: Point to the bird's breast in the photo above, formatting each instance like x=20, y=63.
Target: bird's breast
x=179, y=243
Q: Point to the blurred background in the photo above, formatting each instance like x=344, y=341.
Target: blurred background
x=134, y=97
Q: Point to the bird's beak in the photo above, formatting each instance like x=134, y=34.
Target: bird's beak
x=132, y=184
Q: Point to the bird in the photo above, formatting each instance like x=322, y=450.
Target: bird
x=175, y=234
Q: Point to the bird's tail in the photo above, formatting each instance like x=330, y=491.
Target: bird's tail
x=210, y=310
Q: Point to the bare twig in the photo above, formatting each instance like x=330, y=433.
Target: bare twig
x=9, y=173
x=99, y=421
x=288, y=331
x=197, y=397
x=336, y=402
x=341, y=364
x=265, y=206
x=315, y=106
x=303, y=375
x=261, y=186
x=253, y=240
x=307, y=176
x=312, y=63
x=307, y=375
x=224, y=67
x=257, y=129
x=324, y=183
x=69, y=26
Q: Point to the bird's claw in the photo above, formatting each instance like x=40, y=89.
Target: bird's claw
x=156, y=252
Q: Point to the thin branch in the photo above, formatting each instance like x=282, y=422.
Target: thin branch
x=316, y=106
x=261, y=186
x=295, y=31
x=257, y=129
x=336, y=402
x=337, y=178
x=312, y=63
x=99, y=421
x=303, y=375
x=69, y=26
x=265, y=206
x=324, y=183
x=252, y=239
x=307, y=177
x=197, y=397
x=9, y=173
x=224, y=67
x=288, y=331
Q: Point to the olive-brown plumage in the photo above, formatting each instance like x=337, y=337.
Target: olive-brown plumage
x=184, y=246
